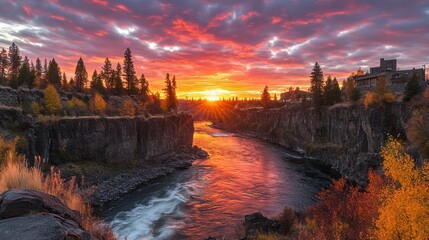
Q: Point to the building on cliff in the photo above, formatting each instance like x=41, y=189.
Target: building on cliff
x=395, y=78
x=295, y=95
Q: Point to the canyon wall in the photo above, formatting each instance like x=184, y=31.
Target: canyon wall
x=111, y=139
x=347, y=137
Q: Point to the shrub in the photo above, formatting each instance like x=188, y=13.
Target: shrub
x=35, y=108
x=380, y=96
x=52, y=100
x=98, y=105
x=287, y=220
x=128, y=108
x=418, y=131
x=75, y=106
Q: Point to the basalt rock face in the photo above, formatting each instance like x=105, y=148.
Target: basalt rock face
x=347, y=137
x=29, y=214
x=111, y=139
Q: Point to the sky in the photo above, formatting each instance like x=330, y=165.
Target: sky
x=221, y=48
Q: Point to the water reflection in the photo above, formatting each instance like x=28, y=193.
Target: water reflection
x=242, y=175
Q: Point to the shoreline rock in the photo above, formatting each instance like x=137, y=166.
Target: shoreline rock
x=112, y=188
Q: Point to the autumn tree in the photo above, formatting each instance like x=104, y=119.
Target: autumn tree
x=144, y=88
x=418, y=131
x=317, y=85
x=80, y=76
x=412, y=88
x=53, y=74
x=351, y=89
x=155, y=103
x=265, y=98
x=129, y=73
x=4, y=65
x=51, y=100
x=381, y=94
x=97, y=104
x=14, y=64
x=405, y=212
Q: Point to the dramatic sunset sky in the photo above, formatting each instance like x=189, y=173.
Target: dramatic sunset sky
x=226, y=48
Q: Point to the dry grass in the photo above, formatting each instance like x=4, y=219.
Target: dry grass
x=14, y=173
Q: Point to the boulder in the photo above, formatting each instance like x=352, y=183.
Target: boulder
x=29, y=214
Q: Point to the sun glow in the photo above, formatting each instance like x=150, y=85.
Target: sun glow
x=215, y=94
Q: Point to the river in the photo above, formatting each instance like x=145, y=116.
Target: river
x=242, y=175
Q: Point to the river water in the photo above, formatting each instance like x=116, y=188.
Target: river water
x=242, y=175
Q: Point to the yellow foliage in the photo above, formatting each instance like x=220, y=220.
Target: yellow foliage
x=52, y=100
x=128, y=108
x=35, y=108
x=405, y=212
x=98, y=104
x=76, y=106
x=369, y=99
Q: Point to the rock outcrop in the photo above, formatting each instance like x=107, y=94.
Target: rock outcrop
x=29, y=214
x=347, y=137
x=111, y=139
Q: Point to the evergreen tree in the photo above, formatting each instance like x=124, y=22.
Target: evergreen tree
x=327, y=91
x=4, y=65
x=336, y=91
x=97, y=83
x=412, y=88
x=275, y=97
x=351, y=90
x=25, y=77
x=39, y=68
x=14, y=64
x=107, y=75
x=169, y=93
x=117, y=75
x=317, y=85
x=265, y=98
x=71, y=83
x=80, y=76
x=53, y=75
x=144, y=89
x=174, y=95
x=129, y=73
x=64, y=83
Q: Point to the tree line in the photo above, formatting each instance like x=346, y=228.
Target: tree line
x=16, y=71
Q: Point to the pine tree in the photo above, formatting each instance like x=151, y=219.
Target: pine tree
x=169, y=93
x=53, y=75
x=412, y=88
x=107, y=75
x=4, y=65
x=14, y=64
x=174, y=95
x=144, y=89
x=336, y=91
x=265, y=98
x=129, y=73
x=327, y=91
x=117, y=75
x=25, y=77
x=317, y=85
x=64, y=83
x=80, y=76
x=39, y=68
x=97, y=83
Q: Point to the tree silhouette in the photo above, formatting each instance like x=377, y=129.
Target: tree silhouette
x=4, y=65
x=144, y=89
x=53, y=75
x=80, y=76
x=265, y=98
x=129, y=73
x=317, y=85
x=14, y=64
x=412, y=88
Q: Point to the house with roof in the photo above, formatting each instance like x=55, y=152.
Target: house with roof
x=396, y=79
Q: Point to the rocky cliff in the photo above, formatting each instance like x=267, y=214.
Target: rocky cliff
x=347, y=137
x=111, y=139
